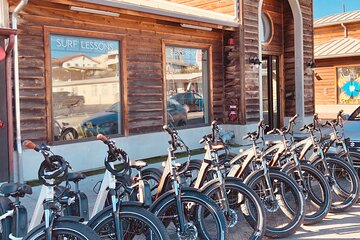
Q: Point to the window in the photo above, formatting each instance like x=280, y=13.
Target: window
x=348, y=79
x=266, y=30
x=186, y=86
x=84, y=89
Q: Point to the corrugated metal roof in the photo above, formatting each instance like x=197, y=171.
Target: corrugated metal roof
x=352, y=16
x=343, y=47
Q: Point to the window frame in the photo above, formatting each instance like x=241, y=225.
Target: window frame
x=203, y=46
x=271, y=24
x=48, y=31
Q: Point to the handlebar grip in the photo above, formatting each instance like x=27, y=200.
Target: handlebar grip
x=246, y=136
x=102, y=137
x=293, y=118
x=271, y=131
x=29, y=144
x=202, y=141
x=168, y=129
x=303, y=128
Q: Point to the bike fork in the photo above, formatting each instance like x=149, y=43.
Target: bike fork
x=116, y=214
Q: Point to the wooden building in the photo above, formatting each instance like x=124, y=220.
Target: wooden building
x=337, y=55
x=125, y=68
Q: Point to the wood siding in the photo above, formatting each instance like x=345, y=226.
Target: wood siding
x=326, y=86
x=143, y=42
x=326, y=78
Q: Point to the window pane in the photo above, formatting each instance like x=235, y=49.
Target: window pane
x=85, y=87
x=186, y=85
x=348, y=85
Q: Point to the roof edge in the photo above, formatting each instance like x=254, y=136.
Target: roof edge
x=168, y=11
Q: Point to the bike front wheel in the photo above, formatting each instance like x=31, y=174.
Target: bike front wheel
x=316, y=189
x=202, y=217
x=285, y=210
x=136, y=223
x=343, y=180
x=246, y=214
x=65, y=231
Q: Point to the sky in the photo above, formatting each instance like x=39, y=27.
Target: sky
x=324, y=8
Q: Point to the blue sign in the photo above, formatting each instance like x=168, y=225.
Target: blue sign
x=90, y=46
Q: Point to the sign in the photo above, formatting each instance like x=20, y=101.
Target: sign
x=348, y=85
x=89, y=46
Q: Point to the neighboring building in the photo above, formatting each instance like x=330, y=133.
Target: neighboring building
x=337, y=56
x=239, y=60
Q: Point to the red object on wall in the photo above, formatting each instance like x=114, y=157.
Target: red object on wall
x=2, y=124
x=2, y=53
x=231, y=42
x=233, y=115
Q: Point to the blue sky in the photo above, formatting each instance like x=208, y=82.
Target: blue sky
x=327, y=7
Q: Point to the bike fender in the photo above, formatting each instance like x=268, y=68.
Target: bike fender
x=207, y=185
x=69, y=219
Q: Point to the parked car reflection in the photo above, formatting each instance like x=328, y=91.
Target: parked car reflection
x=193, y=102
x=107, y=122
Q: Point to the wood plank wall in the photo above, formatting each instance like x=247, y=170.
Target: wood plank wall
x=289, y=62
x=308, y=34
x=326, y=78
x=225, y=6
x=326, y=86
x=143, y=59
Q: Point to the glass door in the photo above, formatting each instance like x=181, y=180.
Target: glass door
x=270, y=91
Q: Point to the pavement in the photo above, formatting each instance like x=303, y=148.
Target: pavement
x=345, y=225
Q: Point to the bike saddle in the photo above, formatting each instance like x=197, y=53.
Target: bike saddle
x=15, y=189
x=75, y=176
x=137, y=164
x=298, y=138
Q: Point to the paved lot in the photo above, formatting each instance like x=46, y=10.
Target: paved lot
x=336, y=226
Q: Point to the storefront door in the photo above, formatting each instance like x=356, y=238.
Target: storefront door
x=270, y=90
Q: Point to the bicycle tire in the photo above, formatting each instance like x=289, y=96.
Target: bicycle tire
x=198, y=208
x=135, y=219
x=5, y=225
x=283, y=229
x=342, y=199
x=246, y=204
x=67, y=229
x=322, y=202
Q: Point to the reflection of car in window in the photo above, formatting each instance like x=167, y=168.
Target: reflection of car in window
x=107, y=122
x=193, y=102
x=67, y=99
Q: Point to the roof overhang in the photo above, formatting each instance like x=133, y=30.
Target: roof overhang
x=336, y=48
x=170, y=9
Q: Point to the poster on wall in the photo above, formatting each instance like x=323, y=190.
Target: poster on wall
x=348, y=85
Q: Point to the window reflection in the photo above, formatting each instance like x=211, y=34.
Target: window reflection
x=186, y=81
x=85, y=85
